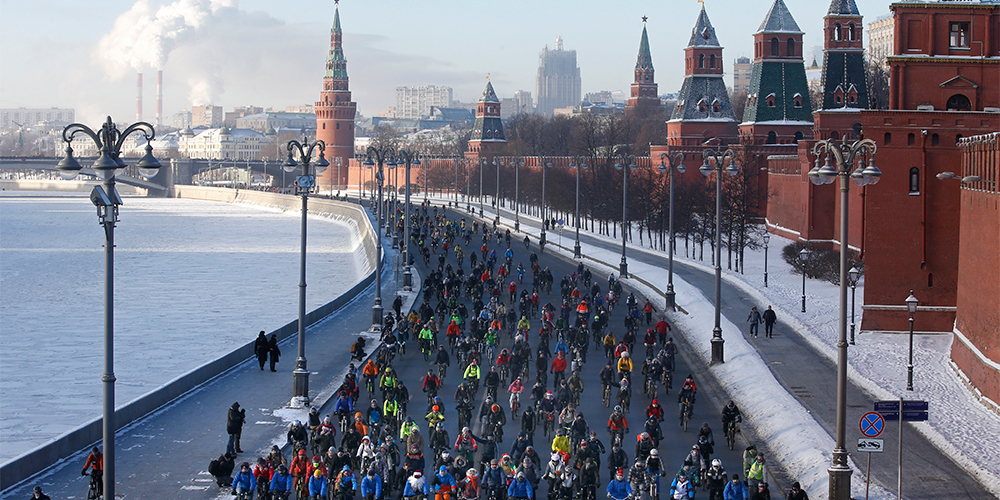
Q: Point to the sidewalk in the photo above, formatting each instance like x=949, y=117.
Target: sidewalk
x=166, y=454
x=781, y=420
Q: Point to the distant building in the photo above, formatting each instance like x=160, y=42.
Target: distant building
x=304, y=108
x=182, y=119
x=880, y=34
x=558, y=83
x=276, y=120
x=222, y=143
x=14, y=117
x=742, y=69
x=488, y=138
x=207, y=116
x=415, y=102
x=522, y=102
x=240, y=112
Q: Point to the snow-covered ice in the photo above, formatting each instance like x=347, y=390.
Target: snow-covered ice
x=193, y=280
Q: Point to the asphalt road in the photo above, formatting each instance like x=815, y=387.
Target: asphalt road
x=676, y=443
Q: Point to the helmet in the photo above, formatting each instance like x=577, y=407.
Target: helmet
x=442, y=469
x=319, y=473
x=618, y=408
x=437, y=408
x=694, y=447
x=654, y=452
x=716, y=463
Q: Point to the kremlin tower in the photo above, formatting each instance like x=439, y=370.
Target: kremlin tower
x=335, y=111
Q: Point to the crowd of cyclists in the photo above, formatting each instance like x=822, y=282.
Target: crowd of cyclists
x=484, y=322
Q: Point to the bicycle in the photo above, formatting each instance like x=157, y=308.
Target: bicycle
x=685, y=414
x=515, y=403
x=651, y=388
x=732, y=428
x=668, y=381
x=606, y=397
x=370, y=384
x=442, y=371
x=550, y=422
x=94, y=490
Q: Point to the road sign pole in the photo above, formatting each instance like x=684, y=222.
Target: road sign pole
x=868, y=474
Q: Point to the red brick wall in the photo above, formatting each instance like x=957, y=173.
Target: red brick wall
x=786, y=207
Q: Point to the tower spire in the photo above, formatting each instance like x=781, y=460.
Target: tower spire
x=335, y=111
x=644, y=89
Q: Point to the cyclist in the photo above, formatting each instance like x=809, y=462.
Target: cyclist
x=654, y=470
x=442, y=360
x=655, y=410
x=95, y=462
x=625, y=365
x=619, y=488
x=515, y=389
x=682, y=488
x=263, y=471
x=370, y=373
x=371, y=485
x=388, y=383
x=317, y=485
x=244, y=483
x=617, y=425
x=688, y=389
x=282, y=484
x=716, y=479
x=443, y=483
x=730, y=415
x=520, y=488
x=431, y=384
x=345, y=484
x=472, y=375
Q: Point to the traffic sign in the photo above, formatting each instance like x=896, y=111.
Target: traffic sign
x=871, y=424
x=560, y=222
x=870, y=445
x=913, y=411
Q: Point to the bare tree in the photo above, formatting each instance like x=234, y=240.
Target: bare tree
x=878, y=84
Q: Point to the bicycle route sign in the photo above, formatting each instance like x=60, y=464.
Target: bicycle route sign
x=871, y=424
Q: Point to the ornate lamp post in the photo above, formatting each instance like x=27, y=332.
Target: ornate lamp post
x=394, y=212
x=541, y=240
x=496, y=197
x=377, y=157
x=467, y=163
x=408, y=158
x=624, y=159
x=109, y=141
x=303, y=185
x=767, y=239
x=845, y=156
x=853, y=276
x=911, y=307
x=718, y=344
x=577, y=166
x=456, y=163
x=676, y=161
x=517, y=186
x=804, y=257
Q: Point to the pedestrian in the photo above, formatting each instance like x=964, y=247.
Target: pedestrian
x=397, y=305
x=234, y=426
x=769, y=319
x=272, y=348
x=754, y=320
x=260, y=349
x=38, y=495
x=797, y=493
x=756, y=474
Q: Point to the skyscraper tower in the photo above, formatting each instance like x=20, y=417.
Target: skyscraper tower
x=335, y=111
x=703, y=110
x=644, y=90
x=778, y=109
x=558, y=82
x=845, y=87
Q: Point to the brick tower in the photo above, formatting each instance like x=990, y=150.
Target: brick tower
x=778, y=109
x=845, y=88
x=335, y=111
x=487, y=134
x=703, y=109
x=644, y=97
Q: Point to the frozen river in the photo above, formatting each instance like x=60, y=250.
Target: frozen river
x=193, y=280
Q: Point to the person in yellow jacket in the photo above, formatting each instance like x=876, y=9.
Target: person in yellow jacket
x=625, y=365
x=560, y=443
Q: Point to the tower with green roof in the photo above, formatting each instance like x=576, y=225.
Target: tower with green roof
x=644, y=97
x=845, y=87
x=335, y=111
x=703, y=110
x=487, y=138
x=777, y=110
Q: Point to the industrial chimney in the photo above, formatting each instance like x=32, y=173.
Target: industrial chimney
x=138, y=97
x=159, y=98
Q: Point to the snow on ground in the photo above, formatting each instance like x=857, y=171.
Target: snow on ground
x=958, y=424
x=193, y=280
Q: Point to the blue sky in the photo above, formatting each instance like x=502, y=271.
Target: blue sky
x=239, y=52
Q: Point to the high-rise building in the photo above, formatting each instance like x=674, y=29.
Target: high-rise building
x=703, y=109
x=15, y=117
x=880, y=34
x=335, y=111
x=742, y=69
x=523, y=102
x=778, y=109
x=558, y=82
x=413, y=103
x=207, y=116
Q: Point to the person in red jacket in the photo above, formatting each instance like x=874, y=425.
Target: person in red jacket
x=648, y=309
x=558, y=368
x=661, y=328
x=95, y=462
x=298, y=470
x=655, y=410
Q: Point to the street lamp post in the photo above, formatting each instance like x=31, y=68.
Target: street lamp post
x=303, y=185
x=395, y=209
x=482, y=166
x=804, y=257
x=517, y=200
x=845, y=156
x=718, y=344
x=853, y=276
x=109, y=142
x=377, y=157
x=767, y=239
x=577, y=166
x=468, y=190
x=676, y=161
x=408, y=158
x=541, y=239
x=424, y=171
x=456, y=163
x=911, y=307
x=623, y=160
x=496, y=197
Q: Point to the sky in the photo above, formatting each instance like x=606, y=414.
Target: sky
x=84, y=55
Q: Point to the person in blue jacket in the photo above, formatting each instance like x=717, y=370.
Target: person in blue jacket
x=371, y=485
x=244, y=481
x=735, y=489
x=282, y=482
x=619, y=488
x=520, y=488
x=317, y=485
